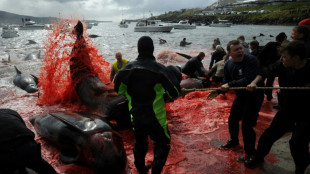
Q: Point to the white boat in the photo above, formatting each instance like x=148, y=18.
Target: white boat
x=221, y=23
x=123, y=24
x=89, y=25
x=9, y=32
x=184, y=25
x=28, y=24
x=152, y=26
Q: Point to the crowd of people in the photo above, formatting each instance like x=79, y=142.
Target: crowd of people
x=148, y=84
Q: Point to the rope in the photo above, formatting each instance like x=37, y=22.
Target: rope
x=243, y=88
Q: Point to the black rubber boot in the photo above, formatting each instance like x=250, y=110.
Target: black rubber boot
x=231, y=143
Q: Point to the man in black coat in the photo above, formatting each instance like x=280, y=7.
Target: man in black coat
x=268, y=56
x=18, y=148
x=194, y=67
x=292, y=71
x=239, y=71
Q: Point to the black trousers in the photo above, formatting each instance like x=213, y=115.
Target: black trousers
x=269, y=83
x=245, y=108
x=299, y=142
x=145, y=125
x=27, y=155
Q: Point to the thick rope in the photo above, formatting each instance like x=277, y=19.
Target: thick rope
x=243, y=88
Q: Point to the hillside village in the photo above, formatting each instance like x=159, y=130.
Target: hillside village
x=245, y=12
x=227, y=8
x=271, y=12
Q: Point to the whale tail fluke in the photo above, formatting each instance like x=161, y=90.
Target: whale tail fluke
x=17, y=71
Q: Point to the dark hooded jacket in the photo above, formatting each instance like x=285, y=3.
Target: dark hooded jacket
x=14, y=131
x=145, y=82
x=194, y=67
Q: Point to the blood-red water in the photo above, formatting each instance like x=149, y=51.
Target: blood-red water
x=197, y=125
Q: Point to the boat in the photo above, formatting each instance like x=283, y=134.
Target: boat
x=221, y=23
x=29, y=24
x=9, y=32
x=123, y=24
x=89, y=25
x=184, y=24
x=152, y=26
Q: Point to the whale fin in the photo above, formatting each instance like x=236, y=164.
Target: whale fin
x=17, y=71
x=62, y=117
x=35, y=78
x=184, y=55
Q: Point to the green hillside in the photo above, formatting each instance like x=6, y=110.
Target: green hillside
x=289, y=13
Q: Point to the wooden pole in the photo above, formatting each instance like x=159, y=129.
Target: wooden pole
x=243, y=88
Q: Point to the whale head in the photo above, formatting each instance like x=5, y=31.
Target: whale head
x=31, y=88
x=106, y=152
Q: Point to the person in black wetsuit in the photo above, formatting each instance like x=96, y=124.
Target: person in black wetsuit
x=302, y=32
x=292, y=71
x=183, y=43
x=239, y=71
x=194, y=67
x=268, y=56
x=255, y=48
x=217, y=55
x=18, y=148
x=146, y=84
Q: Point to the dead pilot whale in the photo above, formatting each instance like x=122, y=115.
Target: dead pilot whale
x=83, y=137
x=26, y=82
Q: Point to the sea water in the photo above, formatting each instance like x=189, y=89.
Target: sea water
x=113, y=39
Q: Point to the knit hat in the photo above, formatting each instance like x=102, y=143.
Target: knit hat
x=305, y=22
x=281, y=37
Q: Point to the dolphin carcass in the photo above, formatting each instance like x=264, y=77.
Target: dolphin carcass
x=83, y=137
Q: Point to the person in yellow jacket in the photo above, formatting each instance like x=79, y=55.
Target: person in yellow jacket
x=117, y=65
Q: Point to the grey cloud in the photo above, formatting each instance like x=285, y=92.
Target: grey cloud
x=64, y=1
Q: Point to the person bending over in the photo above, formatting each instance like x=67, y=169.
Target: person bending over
x=194, y=67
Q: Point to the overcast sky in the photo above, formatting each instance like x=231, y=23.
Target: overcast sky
x=98, y=9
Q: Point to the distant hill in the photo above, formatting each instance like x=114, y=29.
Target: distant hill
x=7, y=18
x=11, y=18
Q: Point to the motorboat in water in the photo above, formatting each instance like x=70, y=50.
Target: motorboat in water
x=184, y=24
x=9, y=32
x=29, y=24
x=89, y=25
x=221, y=23
x=152, y=26
x=123, y=24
